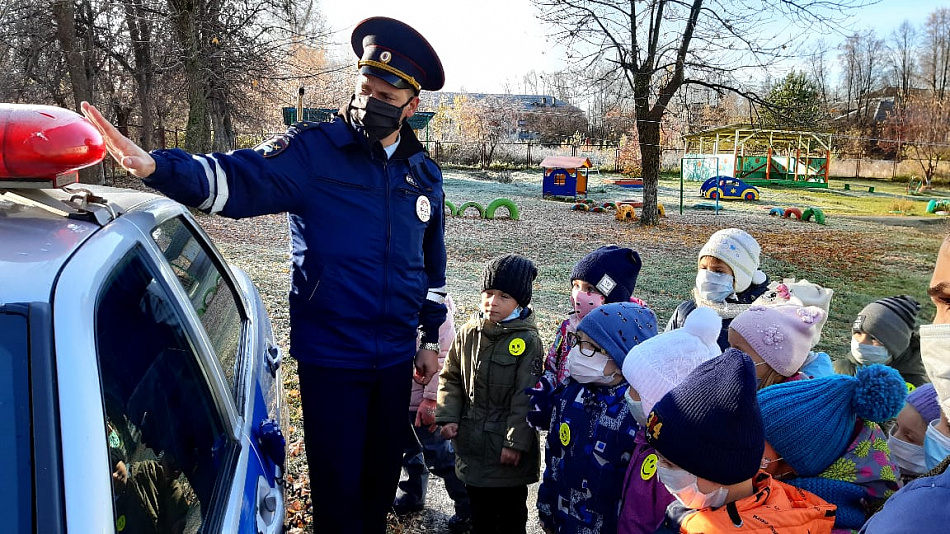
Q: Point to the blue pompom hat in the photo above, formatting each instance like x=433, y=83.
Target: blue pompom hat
x=612, y=270
x=810, y=423
x=710, y=423
x=618, y=327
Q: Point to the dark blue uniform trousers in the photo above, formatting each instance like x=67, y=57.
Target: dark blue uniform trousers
x=354, y=428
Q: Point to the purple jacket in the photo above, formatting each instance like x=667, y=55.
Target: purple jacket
x=644, y=499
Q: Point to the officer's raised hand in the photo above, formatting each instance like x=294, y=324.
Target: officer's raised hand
x=129, y=155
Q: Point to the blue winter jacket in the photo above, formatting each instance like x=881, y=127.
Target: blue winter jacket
x=920, y=506
x=588, y=449
x=367, y=241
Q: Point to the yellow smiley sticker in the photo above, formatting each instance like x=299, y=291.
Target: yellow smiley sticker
x=648, y=467
x=120, y=523
x=564, y=432
x=516, y=347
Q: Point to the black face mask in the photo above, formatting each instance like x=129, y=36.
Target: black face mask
x=376, y=118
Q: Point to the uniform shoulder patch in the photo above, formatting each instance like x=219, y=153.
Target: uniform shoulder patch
x=273, y=146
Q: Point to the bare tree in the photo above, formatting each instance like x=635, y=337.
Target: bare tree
x=862, y=58
x=818, y=68
x=935, y=52
x=658, y=46
x=903, y=58
x=923, y=125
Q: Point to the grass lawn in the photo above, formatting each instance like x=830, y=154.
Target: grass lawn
x=861, y=253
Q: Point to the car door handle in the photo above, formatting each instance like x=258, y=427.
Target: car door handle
x=274, y=356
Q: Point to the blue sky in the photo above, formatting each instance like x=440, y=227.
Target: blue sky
x=484, y=43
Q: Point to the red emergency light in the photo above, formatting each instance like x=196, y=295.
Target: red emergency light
x=44, y=146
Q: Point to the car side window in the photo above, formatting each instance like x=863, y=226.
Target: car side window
x=168, y=449
x=212, y=298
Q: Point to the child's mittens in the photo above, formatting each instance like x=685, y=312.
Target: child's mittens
x=539, y=417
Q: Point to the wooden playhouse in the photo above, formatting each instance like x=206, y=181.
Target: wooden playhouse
x=564, y=176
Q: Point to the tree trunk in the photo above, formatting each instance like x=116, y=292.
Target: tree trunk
x=649, y=132
x=186, y=20
x=225, y=138
x=141, y=36
x=76, y=54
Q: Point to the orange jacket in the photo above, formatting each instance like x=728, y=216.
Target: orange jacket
x=775, y=507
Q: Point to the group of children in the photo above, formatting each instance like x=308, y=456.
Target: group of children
x=727, y=420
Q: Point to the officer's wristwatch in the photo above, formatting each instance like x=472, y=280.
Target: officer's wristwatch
x=431, y=346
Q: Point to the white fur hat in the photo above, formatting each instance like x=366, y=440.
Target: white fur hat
x=660, y=363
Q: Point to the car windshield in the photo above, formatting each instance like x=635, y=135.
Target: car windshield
x=16, y=492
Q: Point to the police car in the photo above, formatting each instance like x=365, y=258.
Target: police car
x=140, y=383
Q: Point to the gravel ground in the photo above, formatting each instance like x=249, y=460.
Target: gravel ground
x=555, y=237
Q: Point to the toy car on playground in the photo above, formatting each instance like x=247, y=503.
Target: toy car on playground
x=728, y=188
x=141, y=379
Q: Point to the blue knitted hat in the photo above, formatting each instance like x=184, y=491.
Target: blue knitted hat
x=618, y=327
x=710, y=423
x=810, y=423
x=612, y=270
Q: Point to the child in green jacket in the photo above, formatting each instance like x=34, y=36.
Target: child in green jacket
x=482, y=404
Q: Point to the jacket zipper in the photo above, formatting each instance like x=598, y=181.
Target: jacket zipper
x=389, y=236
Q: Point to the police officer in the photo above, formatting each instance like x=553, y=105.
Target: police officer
x=365, y=205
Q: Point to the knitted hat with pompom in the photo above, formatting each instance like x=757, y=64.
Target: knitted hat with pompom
x=810, y=423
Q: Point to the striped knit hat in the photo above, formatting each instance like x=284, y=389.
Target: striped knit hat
x=890, y=320
x=740, y=251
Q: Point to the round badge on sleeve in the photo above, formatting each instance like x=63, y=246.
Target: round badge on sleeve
x=564, y=433
x=423, y=208
x=648, y=467
x=516, y=346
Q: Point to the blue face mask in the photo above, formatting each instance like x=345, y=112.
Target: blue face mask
x=867, y=354
x=713, y=286
x=936, y=446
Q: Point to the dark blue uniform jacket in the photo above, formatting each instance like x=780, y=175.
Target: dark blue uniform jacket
x=367, y=241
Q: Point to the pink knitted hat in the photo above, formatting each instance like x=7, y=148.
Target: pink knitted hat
x=781, y=335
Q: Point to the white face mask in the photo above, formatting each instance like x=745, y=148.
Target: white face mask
x=683, y=485
x=909, y=457
x=866, y=354
x=514, y=314
x=588, y=369
x=636, y=409
x=936, y=446
x=713, y=286
x=935, y=353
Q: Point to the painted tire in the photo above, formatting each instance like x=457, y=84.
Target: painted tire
x=792, y=211
x=749, y=195
x=932, y=206
x=502, y=203
x=814, y=212
x=625, y=213
x=660, y=209
x=777, y=211
x=610, y=205
x=713, y=194
x=598, y=209
x=478, y=207
x=453, y=211
x=580, y=206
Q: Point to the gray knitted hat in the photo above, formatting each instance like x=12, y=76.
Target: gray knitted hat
x=890, y=320
x=512, y=273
